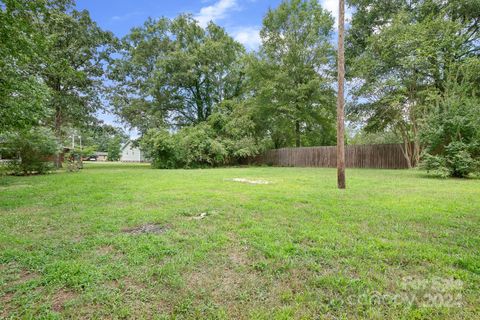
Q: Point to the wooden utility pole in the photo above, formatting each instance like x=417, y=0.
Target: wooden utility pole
x=341, y=98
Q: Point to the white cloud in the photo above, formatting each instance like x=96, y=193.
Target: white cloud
x=248, y=36
x=216, y=11
x=126, y=16
x=332, y=6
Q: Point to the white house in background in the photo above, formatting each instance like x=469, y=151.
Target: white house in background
x=130, y=153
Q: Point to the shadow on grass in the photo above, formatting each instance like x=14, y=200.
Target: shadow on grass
x=426, y=175
x=115, y=165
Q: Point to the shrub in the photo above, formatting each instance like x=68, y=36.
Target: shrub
x=458, y=156
x=222, y=140
x=435, y=165
x=73, y=160
x=159, y=146
x=198, y=146
x=33, y=150
x=114, y=149
x=452, y=138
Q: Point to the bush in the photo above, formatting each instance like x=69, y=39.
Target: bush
x=73, y=160
x=159, y=146
x=33, y=150
x=435, y=165
x=452, y=138
x=199, y=147
x=458, y=156
x=114, y=149
x=191, y=147
x=222, y=140
x=456, y=161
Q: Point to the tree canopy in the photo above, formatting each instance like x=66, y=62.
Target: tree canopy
x=22, y=94
x=401, y=53
x=291, y=77
x=174, y=73
x=199, y=98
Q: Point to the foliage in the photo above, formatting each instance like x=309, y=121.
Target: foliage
x=226, y=138
x=88, y=151
x=34, y=150
x=23, y=96
x=364, y=137
x=101, y=135
x=198, y=146
x=173, y=72
x=159, y=146
x=51, y=64
x=114, y=149
x=74, y=67
x=452, y=131
x=200, y=100
x=291, y=78
x=98, y=136
x=400, y=53
x=436, y=165
x=455, y=161
x=73, y=160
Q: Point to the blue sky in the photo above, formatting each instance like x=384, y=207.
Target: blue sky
x=241, y=18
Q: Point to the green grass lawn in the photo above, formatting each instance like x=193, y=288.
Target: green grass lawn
x=294, y=248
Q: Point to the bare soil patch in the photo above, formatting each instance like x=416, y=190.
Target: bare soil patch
x=250, y=181
x=151, y=228
x=5, y=301
x=61, y=298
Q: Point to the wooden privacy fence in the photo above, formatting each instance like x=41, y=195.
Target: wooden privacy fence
x=381, y=156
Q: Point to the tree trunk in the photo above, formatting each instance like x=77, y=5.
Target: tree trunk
x=58, y=134
x=407, y=153
x=341, y=99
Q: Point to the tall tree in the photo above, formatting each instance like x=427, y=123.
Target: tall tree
x=23, y=96
x=341, y=98
x=292, y=75
x=73, y=70
x=174, y=72
x=401, y=52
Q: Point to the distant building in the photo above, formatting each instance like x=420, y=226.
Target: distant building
x=130, y=153
x=101, y=156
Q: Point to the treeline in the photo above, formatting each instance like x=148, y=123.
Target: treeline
x=416, y=73
x=53, y=62
x=198, y=98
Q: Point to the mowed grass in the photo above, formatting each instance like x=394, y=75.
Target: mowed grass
x=295, y=248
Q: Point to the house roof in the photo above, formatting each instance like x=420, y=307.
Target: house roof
x=129, y=142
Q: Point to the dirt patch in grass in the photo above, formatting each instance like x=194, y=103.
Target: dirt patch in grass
x=5, y=301
x=61, y=298
x=24, y=277
x=239, y=257
x=151, y=228
x=105, y=250
x=16, y=275
x=225, y=281
x=250, y=181
x=131, y=285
